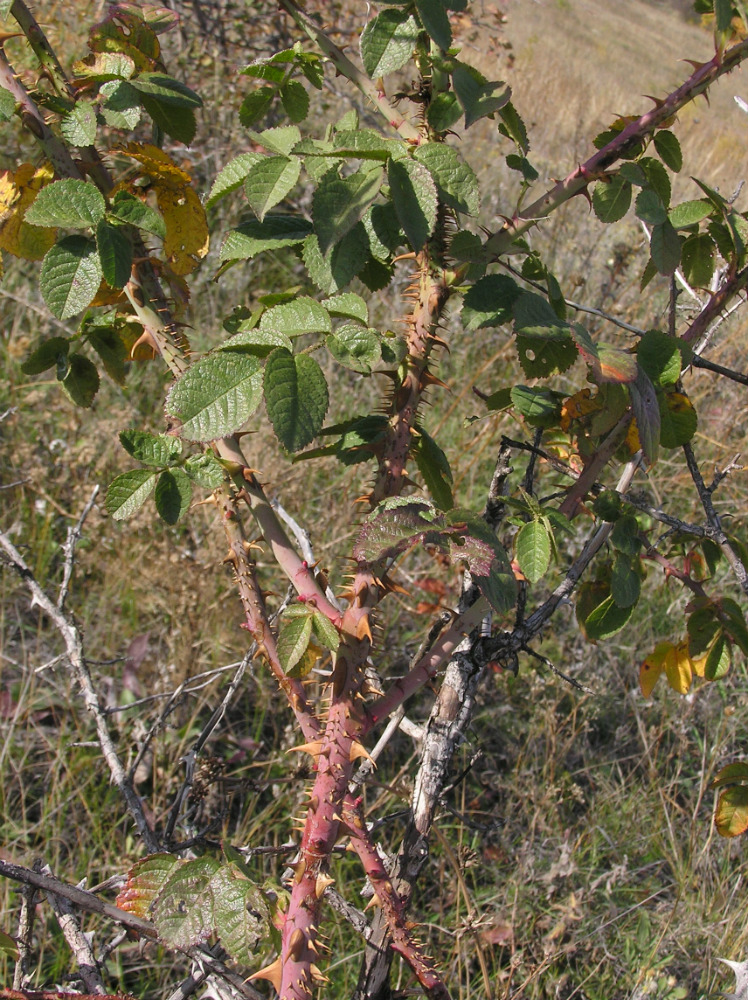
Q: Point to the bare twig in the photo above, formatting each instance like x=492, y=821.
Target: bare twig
x=74, y=536
x=77, y=941
x=21, y=972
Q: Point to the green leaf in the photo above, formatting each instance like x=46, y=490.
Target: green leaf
x=110, y=347
x=734, y=620
x=339, y=204
x=51, y=353
x=611, y=199
x=293, y=319
x=539, y=406
x=8, y=946
x=256, y=105
x=173, y=495
x=232, y=176
x=70, y=276
x=478, y=97
x=649, y=208
x=295, y=100
x=544, y=344
x=668, y=149
x=608, y=505
x=690, y=213
x=128, y=492
x=256, y=341
x=678, y=420
x=665, y=247
x=736, y=773
x=365, y=144
x=455, y=180
x=121, y=105
x=383, y=230
x=523, y=166
x=183, y=911
x=78, y=127
x=387, y=42
x=269, y=182
x=177, y=122
x=414, y=195
x=135, y=212
x=240, y=912
x=659, y=356
x=145, y=880
x=70, y=203
x=325, y=632
x=606, y=620
x=718, y=658
x=608, y=364
x=657, y=178
x=293, y=639
x=81, y=382
x=105, y=67
x=513, y=127
x=444, y=111
x=335, y=270
x=150, y=449
x=355, y=347
x=435, y=20
x=216, y=395
x=625, y=536
x=115, y=254
x=434, y=467
x=166, y=90
x=348, y=305
x=7, y=105
x=697, y=260
x=253, y=237
x=205, y=470
x=533, y=550
x=281, y=140
x=625, y=584
x=702, y=628
x=296, y=397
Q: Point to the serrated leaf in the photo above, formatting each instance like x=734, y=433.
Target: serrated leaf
x=115, y=254
x=183, y=912
x=539, y=406
x=435, y=20
x=256, y=341
x=513, y=127
x=533, y=550
x=348, y=305
x=679, y=668
x=649, y=208
x=387, y=42
x=455, y=179
x=731, y=814
x=606, y=620
x=625, y=536
x=414, y=195
x=444, y=111
x=187, y=237
x=339, y=204
x=544, y=344
x=608, y=364
x=478, y=96
x=256, y=105
x=734, y=620
x=151, y=449
x=678, y=419
x=173, y=495
x=70, y=203
x=216, y=395
x=356, y=347
x=690, y=213
x=718, y=658
x=81, y=381
x=364, y=143
x=434, y=467
x=281, y=139
x=269, y=182
x=294, y=319
x=625, y=584
x=121, y=105
x=135, y=212
x=736, y=773
x=295, y=100
x=296, y=397
x=240, y=912
x=70, y=276
x=325, y=632
x=293, y=639
x=105, y=66
x=668, y=149
x=335, y=270
x=697, y=260
x=110, y=347
x=275, y=232
x=52, y=353
x=145, y=880
x=232, y=176
x=8, y=946
x=7, y=105
x=166, y=90
x=612, y=199
x=383, y=230
x=659, y=356
x=205, y=470
x=657, y=178
x=128, y=492
x=78, y=127
x=394, y=525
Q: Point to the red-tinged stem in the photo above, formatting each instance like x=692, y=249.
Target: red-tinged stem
x=256, y=614
x=594, y=168
x=426, y=668
x=392, y=905
x=717, y=302
x=591, y=472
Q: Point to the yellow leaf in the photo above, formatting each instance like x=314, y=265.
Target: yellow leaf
x=678, y=668
x=187, y=236
x=731, y=815
x=158, y=165
x=576, y=406
x=17, y=194
x=699, y=665
x=632, y=438
x=653, y=666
